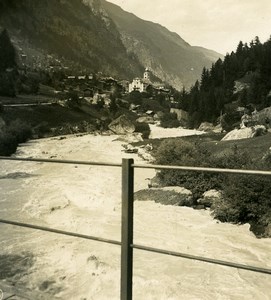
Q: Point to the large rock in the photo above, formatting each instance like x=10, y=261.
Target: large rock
x=122, y=125
x=264, y=114
x=210, y=198
x=155, y=182
x=182, y=115
x=147, y=119
x=245, y=133
x=174, y=195
x=206, y=126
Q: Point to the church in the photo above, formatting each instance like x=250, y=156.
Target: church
x=140, y=84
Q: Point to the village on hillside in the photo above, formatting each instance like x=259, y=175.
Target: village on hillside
x=47, y=79
x=39, y=78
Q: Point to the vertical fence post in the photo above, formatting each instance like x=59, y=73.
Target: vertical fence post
x=126, y=289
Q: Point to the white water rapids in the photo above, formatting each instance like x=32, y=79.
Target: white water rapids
x=87, y=200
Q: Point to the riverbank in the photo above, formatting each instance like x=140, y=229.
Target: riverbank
x=87, y=199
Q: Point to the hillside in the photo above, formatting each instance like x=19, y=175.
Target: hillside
x=169, y=57
x=236, y=85
x=97, y=36
x=75, y=33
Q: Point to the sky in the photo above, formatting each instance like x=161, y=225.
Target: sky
x=214, y=24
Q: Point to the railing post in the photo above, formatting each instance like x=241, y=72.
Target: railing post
x=126, y=289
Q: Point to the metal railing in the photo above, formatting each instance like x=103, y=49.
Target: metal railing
x=127, y=216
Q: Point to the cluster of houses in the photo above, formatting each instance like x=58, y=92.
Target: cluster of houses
x=85, y=85
x=94, y=88
x=88, y=86
x=109, y=84
x=91, y=87
x=146, y=85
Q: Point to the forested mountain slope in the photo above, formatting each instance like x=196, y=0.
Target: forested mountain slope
x=242, y=79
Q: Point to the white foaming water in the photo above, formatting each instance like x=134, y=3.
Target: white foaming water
x=87, y=199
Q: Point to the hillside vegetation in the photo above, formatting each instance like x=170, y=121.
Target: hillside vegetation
x=70, y=29
x=245, y=198
x=242, y=79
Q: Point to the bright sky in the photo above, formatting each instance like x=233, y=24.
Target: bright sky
x=214, y=24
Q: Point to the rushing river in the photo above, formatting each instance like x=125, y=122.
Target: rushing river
x=87, y=200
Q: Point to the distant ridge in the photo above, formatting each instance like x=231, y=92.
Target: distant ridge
x=169, y=57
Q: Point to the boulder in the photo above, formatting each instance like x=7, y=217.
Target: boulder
x=218, y=129
x=206, y=126
x=182, y=115
x=173, y=195
x=122, y=125
x=245, y=133
x=155, y=182
x=147, y=119
x=210, y=198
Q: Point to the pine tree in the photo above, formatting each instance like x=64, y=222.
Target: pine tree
x=7, y=52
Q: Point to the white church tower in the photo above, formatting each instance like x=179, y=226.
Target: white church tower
x=147, y=74
x=141, y=84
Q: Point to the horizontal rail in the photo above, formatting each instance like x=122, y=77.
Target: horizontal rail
x=61, y=161
x=68, y=233
x=141, y=166
x=140, y=247
x=203, y=169
x=203, y=259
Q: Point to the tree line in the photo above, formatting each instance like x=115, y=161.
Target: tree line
x=208, y=97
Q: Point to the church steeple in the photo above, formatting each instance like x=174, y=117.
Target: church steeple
x=147, y=74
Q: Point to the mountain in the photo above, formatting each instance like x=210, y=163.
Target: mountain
x=95, y=35
x=168, y=56
x=70, y=30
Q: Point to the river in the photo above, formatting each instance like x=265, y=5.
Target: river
x=87, y=200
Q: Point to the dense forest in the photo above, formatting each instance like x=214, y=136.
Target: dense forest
x=249, y=65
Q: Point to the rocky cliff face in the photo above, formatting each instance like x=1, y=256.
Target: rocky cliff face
x=168, y=56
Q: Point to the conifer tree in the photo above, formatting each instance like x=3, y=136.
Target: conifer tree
x=7, y=52
x=7, y=60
